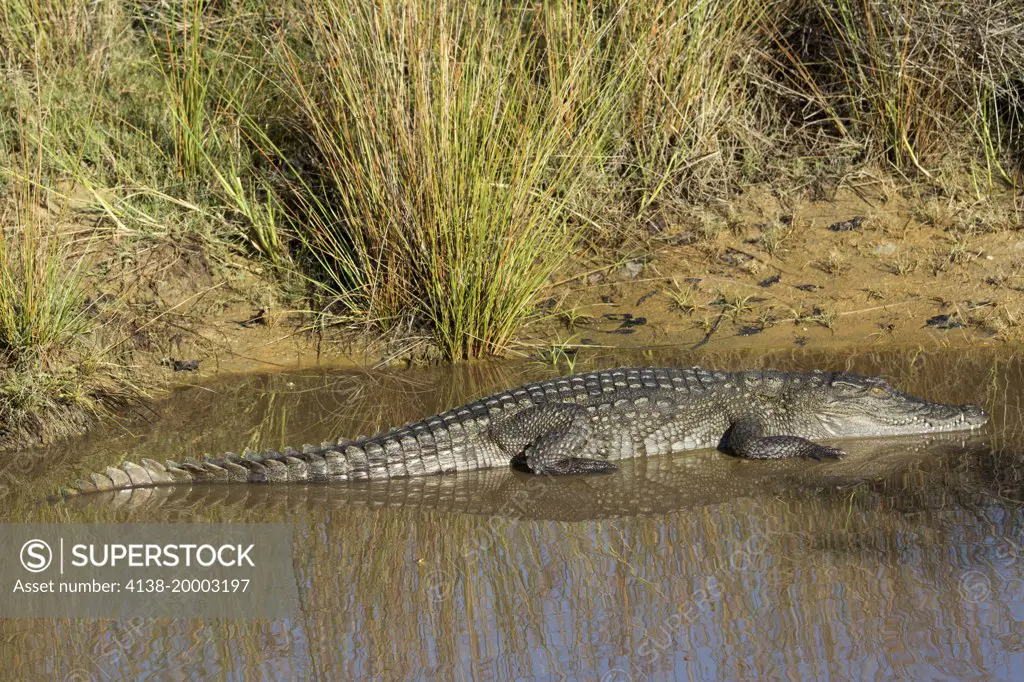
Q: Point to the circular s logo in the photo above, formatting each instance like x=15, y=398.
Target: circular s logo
x=36, y=556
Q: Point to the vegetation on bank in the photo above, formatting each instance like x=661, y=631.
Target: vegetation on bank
x=426, y=165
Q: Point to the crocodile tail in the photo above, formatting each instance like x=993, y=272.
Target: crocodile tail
x=413, y=450
x=329, y=462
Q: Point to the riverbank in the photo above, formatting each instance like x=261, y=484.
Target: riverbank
x=194, y=188
x=875, y=269
x=866, y=268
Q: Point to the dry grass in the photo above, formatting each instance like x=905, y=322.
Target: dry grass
x=916, y=84
x=450, y=145
x=425, y=166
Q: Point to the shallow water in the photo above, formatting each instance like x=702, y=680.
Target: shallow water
x=903, y=561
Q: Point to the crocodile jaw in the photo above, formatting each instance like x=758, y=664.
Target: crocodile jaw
x=920, y=418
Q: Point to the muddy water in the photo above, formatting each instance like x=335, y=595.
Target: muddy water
x=903, y=561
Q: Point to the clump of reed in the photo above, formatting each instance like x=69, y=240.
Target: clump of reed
x=428, y=164
x=918, y=86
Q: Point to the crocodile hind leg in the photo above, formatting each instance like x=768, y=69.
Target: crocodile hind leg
x=746, y=438
x=551, y=439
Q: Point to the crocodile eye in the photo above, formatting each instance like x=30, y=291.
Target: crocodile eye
x=879, y=391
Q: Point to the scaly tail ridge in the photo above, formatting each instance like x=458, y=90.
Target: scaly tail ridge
x=426, y=447
x=329, y=462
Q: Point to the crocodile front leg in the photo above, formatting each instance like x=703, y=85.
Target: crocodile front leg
x=745, y=438
x=552, y=438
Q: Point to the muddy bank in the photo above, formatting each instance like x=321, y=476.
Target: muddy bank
x=857, y=270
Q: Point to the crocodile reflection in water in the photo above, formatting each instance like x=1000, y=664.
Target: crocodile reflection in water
x=642, y=487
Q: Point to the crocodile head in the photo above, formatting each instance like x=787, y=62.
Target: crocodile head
x=849, y=405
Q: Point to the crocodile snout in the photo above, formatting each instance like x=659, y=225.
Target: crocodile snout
x=974, y=415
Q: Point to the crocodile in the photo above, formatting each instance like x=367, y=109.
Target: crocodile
x=643, y=487
x=582, y=424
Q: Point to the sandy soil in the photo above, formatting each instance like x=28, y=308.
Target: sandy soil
x=855, y=270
